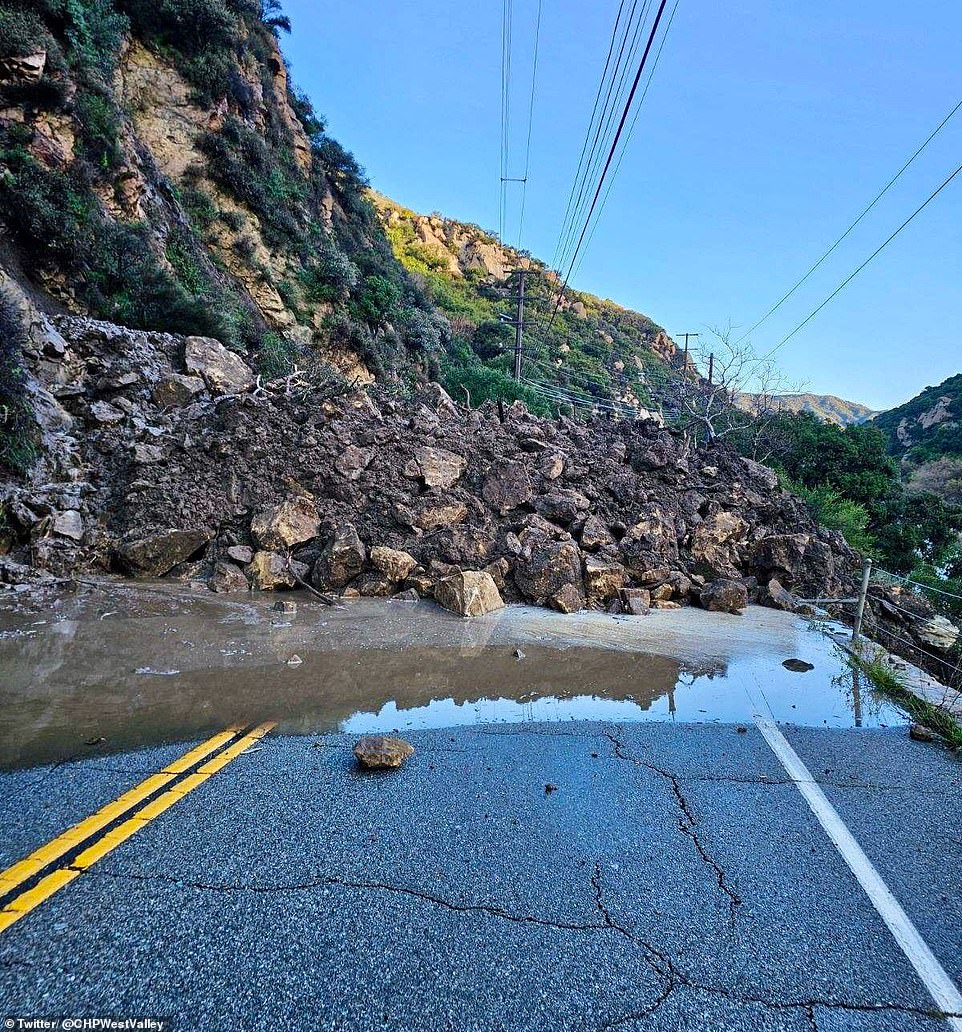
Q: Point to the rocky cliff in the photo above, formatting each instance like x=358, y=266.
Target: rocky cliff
x=576, y=345
x=926, y=434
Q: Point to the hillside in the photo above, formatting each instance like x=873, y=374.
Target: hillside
x=826, y=407
x=157, y=169
x=926, y=435
x=591, y=348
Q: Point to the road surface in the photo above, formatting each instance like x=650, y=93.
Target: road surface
x=673, y=877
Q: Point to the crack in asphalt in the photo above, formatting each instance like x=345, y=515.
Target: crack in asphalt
x=687, y=823
x=660, y=962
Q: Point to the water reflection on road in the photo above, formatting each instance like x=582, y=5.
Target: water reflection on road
x=116, y=667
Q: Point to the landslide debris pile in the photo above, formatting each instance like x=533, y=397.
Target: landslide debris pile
x=165, y=455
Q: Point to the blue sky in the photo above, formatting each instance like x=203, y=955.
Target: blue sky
x=768, y=127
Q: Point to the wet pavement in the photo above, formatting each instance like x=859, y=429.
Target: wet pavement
x=597, y=835
x=115, y=668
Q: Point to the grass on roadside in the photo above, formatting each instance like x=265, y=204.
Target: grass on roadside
x=888, y=683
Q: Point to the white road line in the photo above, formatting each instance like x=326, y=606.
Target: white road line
x=943, y=991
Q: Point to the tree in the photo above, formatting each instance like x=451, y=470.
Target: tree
x=710, y=394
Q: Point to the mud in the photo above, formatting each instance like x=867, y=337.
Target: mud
x=114, y=667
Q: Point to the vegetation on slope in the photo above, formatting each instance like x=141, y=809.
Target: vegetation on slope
x=588, y=348
x=160, y=270
x=853, y=485
x=926, y=433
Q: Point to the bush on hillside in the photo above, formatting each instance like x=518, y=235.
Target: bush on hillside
x=18, y=429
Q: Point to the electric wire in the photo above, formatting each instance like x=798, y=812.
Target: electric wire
x=591, y=122
x=614, y=96
x=885, y=189
x=507, y=18
x=631, y=129
x=870, y=258
x=611, y=153
x=527, y=149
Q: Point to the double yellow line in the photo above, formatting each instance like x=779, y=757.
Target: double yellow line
x=37, y=877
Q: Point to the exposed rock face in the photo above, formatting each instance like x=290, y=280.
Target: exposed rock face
x=158, y=553
x=221, y=370
x=24, y=68
x=937, y=631
x=469, y=593
x=382, y=751
x=282, y=526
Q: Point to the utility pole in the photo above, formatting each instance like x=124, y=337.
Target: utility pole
x=711, y=368
x=518, y=322
x=686, y=336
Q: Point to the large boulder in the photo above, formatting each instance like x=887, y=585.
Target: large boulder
x=292, y=522
x=438, y=467
x=342, y=560
x=550, y=565
x=724, y=596
x=507, y=486
x=715, y=541
x=781, y=556
x=269, y=571
x=469, y=593
x=156, y=554
x=603, y=580
x=222, y=370
x=227, y=577
x=936, y=631
x=394, y=564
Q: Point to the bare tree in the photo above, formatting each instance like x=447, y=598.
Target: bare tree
x=726, y=389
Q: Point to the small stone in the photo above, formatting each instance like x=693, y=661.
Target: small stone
x=176, y=389
x=285, y=605
x=105, y=413
x=798, y=666
x=440, y=516
x=920, y=733
x=295, y=660
x=408, y=595
x=378, y=752
x=549, y=788
x=518, y=654
x=741, y=729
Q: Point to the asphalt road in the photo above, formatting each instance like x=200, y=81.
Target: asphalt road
x=675, y=879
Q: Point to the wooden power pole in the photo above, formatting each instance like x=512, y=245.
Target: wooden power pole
x=518, y=322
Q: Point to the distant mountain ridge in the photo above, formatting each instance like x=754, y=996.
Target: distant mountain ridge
x=826, y=407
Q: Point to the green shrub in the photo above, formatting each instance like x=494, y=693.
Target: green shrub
x=328, y=274
x=18, y=429
x=376, y=300
x=98, y=128
x=240, y=160
x=190, y=26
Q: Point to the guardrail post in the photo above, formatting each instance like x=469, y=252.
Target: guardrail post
x=862, y=595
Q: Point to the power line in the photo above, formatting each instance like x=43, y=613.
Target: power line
x=898, y=175
x=602, y=136
x=873, y=255
x=631, y=129
x=591, y=122
x=611, y=153
x=527, y=149
x=507, y=17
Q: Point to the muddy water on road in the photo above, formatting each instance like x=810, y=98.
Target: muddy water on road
x=116, y=667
